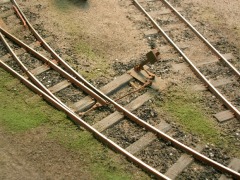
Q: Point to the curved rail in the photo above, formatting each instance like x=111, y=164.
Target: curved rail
x=139, y=121
x=54, y=66
x=78, y=120
x=54, y=54
x=29, y=74
x=193, y=67
x=202, y=38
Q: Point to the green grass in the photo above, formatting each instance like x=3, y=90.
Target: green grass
x=98, y=65
x=21, y=111
x=99, y=162
x=191, y=115
x=185, y=108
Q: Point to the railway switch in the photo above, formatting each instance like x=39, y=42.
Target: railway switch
x=152, y=57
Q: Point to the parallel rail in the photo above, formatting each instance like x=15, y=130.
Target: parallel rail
x=202, y=38
x=80, y=82
x=192, y=66
x=79, y=121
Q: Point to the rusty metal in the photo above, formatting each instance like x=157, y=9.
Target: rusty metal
x=193, y=67
x=147, y=83
x=55, y=67
x=82, y=123
x=20, y=16
x=95, y=106
x=135, y=119
x=29, y=74
x=152, y=57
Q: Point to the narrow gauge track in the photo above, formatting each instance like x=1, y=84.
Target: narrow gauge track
x=212, y=67
x=33, y=64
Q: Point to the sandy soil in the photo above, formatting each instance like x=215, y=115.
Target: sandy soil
x=226, y=11
x=104, y=25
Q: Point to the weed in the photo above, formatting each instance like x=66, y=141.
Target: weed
x=185, y=108
x=97, y=159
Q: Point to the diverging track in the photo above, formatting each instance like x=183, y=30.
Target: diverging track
x=47, y=74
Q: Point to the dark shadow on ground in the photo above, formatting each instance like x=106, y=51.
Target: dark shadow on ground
x=65, y=4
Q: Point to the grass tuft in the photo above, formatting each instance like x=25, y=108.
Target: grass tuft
x=99, y=164
x=98, y=65
x=185, y=107
x=20, y=109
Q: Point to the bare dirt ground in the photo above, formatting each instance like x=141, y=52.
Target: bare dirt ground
x=105, y=26
x=33, y=156
x=222, y=15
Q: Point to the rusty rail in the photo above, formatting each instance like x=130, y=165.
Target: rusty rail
x=79, y=121
x=193, y=67
x=213, y=49
x=54, y=66
x=134, y=118
x=20, y=16
x=29, y=74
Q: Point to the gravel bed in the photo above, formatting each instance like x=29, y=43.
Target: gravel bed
x=216, y=71
x=232, y=93
x=198, y=171
x=5, y=8
x=231, y=130
x=50, y=78
x=125, y=133
x=147, y=113
x=3, y=50
x=185, y=138
x=121, y=67
x=159, y=155
x=29, y=61
x=15, y=66
x=70, y=94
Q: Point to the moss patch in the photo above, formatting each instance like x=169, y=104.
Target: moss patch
x=102, y=162
x=186, y=109
x=98, y=66
x=20, y=109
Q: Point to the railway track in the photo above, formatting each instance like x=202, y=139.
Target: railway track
x=34, y=62
x=165, y=27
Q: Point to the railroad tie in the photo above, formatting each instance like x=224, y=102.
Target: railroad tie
x=108, y=89
x=115, y=117
x=59, y=86
x=42, y=69
x=183, y=162
x=235, y=165
x=147, y=138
